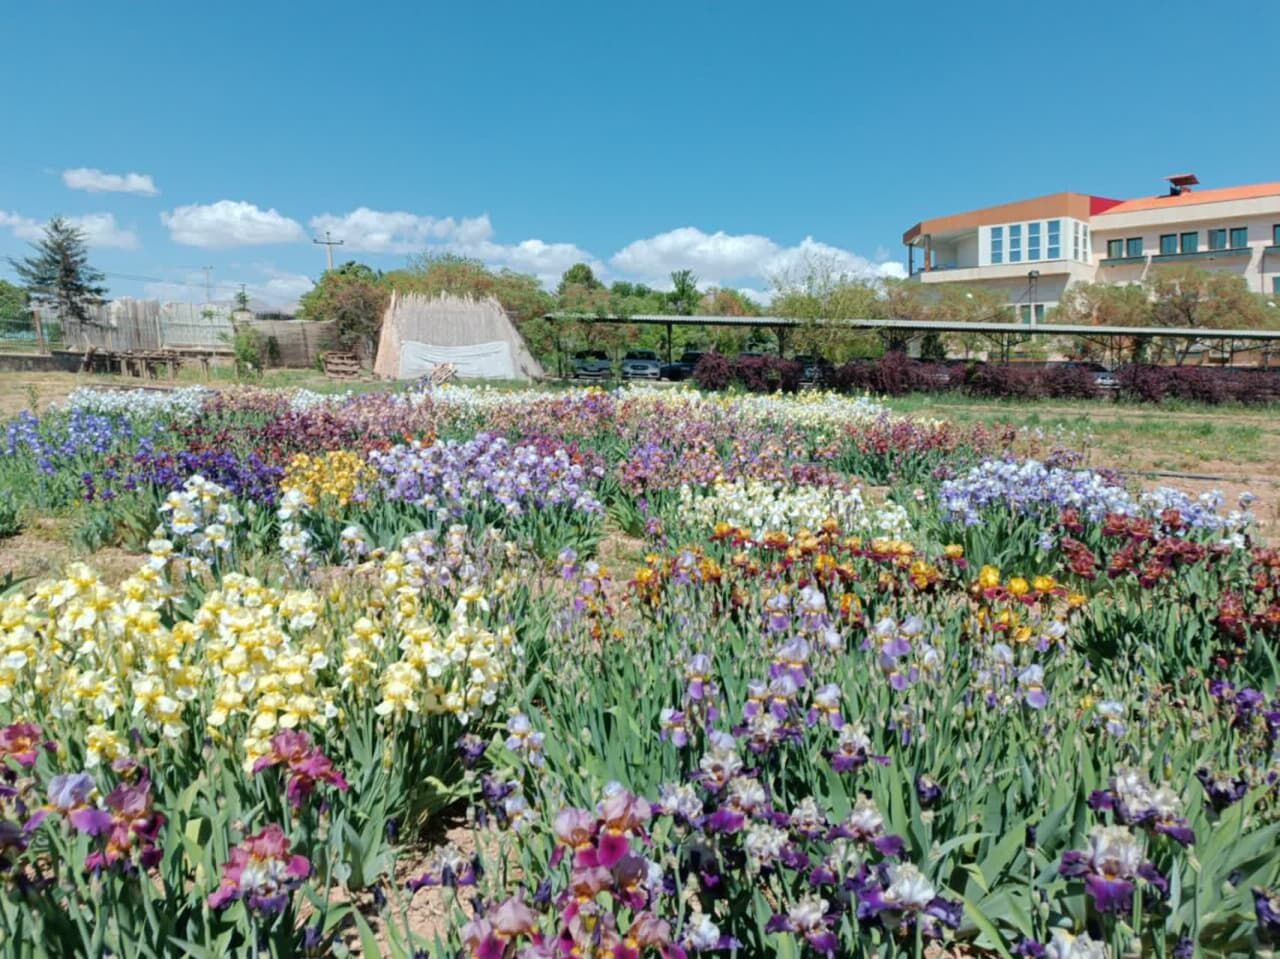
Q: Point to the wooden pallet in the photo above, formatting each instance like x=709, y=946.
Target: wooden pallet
x=340, y=365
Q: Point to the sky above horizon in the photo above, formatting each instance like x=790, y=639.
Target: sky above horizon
x=740, y=140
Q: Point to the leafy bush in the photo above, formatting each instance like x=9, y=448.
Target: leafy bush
x=1146, y=384
x=790, y=374
x=10, y=524
x=1069, y=382
x=713, y=372
x=755, y=374
x=249, y=349
x=1005, y=381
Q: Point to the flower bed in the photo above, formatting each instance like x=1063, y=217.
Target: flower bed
x=1006, y=707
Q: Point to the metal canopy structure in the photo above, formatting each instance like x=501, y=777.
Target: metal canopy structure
x=925, y=326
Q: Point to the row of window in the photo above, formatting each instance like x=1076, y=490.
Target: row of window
x=1220, y=238
x=1052, y=245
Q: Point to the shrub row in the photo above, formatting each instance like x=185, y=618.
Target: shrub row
x=895, y=374
x=1151, y=384
x=755, y=374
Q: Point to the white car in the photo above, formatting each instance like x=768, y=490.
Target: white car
x=641, y=365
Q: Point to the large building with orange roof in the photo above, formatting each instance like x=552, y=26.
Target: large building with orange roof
x=1030, y=251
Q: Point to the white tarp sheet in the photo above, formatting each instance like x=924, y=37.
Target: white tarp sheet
x=478, y=361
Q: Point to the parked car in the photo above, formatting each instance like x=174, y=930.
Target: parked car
x=682, y=368
x=817, y=371
x=1105, y=379
x=641, y=365
x=592, y=365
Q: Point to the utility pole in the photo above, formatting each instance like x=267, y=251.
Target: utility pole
x=328, y=245
x=208, y=283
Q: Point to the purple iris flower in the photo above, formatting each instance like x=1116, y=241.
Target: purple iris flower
x=1221, y=789
x=69, y=790
x=1266, y=904
x=1111, y=867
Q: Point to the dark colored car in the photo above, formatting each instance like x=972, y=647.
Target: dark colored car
x=682, y=368
x=641, y=365
x=817, y=371
x=592, y=365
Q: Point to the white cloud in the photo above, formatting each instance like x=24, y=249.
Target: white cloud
x=229, y=223
x=23, y=227
x=758, y=297
x=395, y=231
x=277, y=288
x=719, y=258
x=794, y=260
x=99, y=229
x=546, y=261
x=714, y=257
x=282, y=288
x=95, y=181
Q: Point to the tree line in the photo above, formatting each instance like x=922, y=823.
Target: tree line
x=58, y=277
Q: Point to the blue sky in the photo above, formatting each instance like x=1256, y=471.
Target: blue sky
x=737, y=139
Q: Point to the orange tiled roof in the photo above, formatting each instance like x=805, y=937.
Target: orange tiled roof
x=1193, y=197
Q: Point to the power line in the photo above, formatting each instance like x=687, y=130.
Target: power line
x=328, y=245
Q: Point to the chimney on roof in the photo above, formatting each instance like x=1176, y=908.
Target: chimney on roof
x=1181, y=183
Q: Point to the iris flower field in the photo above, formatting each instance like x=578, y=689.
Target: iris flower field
x=643, y=673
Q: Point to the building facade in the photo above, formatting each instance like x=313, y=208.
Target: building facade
x=1031, y=251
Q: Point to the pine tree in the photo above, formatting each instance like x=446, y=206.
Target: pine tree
x=59, y=274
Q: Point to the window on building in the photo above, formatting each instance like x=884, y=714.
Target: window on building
x=1075, y=241
x=1055, y=240
x=1275, y=282
x=1168, y=243
x=997, y=244
x=1133, y=247
x=1275, y=235
x=1239, y=237
x=1085, y=248
x=1191, y=243
x=1033, y=241
x=1015, y=243
x=1026, y=313
x=1039, y=310
x=1218, y=239
x=1115, y=249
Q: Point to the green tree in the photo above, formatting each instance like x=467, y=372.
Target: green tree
x=905, y=300
x=1105, y=304
x=13, y=301
x=819, y=291
x=684, y=294
x=1192, y=299
x=520, y=294
x=973, y=304
x=723, y=301
x=59, y=275
x=579, y=274
x=354, y=297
